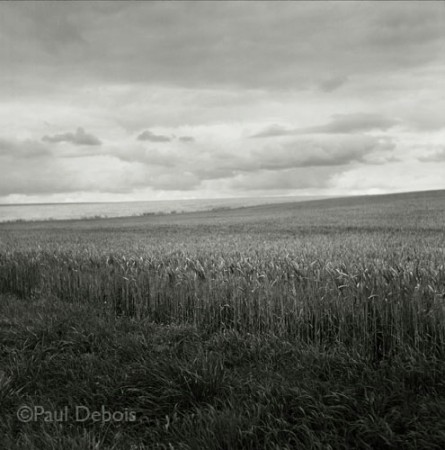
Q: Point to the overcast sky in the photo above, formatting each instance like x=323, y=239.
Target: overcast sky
x=168, y=100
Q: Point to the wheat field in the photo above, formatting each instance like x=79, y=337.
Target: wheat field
x=312, y=325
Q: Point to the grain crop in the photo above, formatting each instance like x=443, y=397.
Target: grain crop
x=361, y=279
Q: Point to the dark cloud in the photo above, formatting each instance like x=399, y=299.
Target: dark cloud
x=23, y=149
x=294, y=164
x=187, y=139
x=437, y=156
x=319, y=152
x=220, y=44
x=340, y=124
x=208, y=163
x=28, y=168
x=273, y=130
x=147, y=135
x=27, y=181
x=333, y=83
x=48, y=175
x=80, y=137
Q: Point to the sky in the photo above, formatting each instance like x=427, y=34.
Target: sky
x=117, y=101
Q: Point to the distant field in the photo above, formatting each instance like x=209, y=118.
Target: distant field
x=80, y=211
x=309, y=325
x=409, y=210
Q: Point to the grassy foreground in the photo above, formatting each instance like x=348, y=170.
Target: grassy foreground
x=316, y=325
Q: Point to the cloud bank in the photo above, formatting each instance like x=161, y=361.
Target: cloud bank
x=340, y=124
x=79, y=137
x=335, y=98
x=147, y=135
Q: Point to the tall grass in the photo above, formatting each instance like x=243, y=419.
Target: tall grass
x=373, y=291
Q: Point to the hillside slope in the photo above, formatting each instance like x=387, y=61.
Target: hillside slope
x=424, y=210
